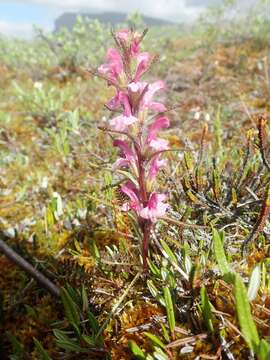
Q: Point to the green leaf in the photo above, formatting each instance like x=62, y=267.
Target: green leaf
x=136, y=350
x=206, y=310
x=42, y=352
x=84, y=299
x=168, y=251
x=254, y=283
x=93, y=322
x=65, y=342
x=264, y=350
x=89, y=340
x=71, y=309
x=94, y=249
x=17, y=347
x=247, y=325
x=155, y=340
x=165, y=332
x=220, y=254
x=160, y=355
x=153, y=268
x=169, y=308
x=152, y=288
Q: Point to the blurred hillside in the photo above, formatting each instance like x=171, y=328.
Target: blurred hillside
x=68, y=20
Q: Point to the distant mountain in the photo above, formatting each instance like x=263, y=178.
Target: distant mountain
x=112, y=18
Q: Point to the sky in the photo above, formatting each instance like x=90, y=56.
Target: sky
x=17, y=17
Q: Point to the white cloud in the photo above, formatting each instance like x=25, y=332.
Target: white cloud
x=18, y=29
x=15, y=29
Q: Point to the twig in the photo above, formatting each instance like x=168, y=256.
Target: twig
x=27, y=267
x=260, y=223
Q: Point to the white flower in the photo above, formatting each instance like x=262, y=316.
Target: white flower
x=38, y=85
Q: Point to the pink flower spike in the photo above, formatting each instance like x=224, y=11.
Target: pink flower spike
x=155, y=208
x=155, y=166
x=143, y=60
x=160, y=123
x=120, y=123
x=131, y=191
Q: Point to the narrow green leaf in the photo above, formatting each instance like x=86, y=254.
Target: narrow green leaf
x=155, y=339
x=93, y=322
x=152, y=288
x=160, y=355
x=264, y=350
x=89, y=340
x=94, y=249
x=42, y=352
x=154, y=269
x=220, y=254
x=85, y=301
x=206, y=310
x=165, y=332
x=65, y=342
x=247, y=325
x=168, y=251
x=71, y=309
x=136, y=351
x=169, y=308
x=254, y=283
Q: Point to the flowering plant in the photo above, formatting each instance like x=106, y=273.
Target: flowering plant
x=140, y=147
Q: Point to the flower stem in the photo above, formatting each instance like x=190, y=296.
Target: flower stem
x=146, y=227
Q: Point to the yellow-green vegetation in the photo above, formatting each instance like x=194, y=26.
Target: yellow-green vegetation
x=207, y=293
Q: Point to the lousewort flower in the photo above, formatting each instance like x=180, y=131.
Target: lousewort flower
x=140, y=148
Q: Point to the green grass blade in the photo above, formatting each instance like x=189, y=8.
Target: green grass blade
x=247, y=325
x=220, y=254
x=169, y=308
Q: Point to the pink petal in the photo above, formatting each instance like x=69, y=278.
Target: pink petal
x=131, y=191
x=135, y=47
x=155, y=166
x=135, y=86
x=114, y=103
x=160, y=123
x=124, y=147
x=120, y=163
x=155, y=208
x=123, y=34
x=125, y=207
x=124, y=99
x=114, y=66
x=114, y=58
x=152, y=89
x=159, y=144
x=121, y=122
x=103, y=69
x=156, y=106
x=143, y=60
